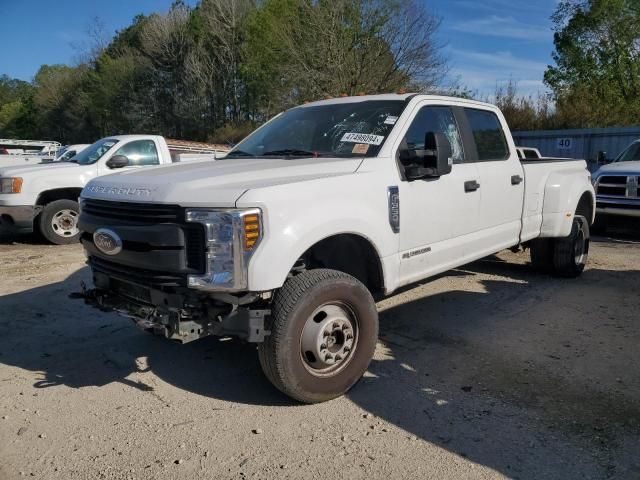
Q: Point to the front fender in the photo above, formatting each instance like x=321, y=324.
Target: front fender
x=304, y=216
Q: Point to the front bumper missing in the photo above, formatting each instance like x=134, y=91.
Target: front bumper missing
x=180, y=324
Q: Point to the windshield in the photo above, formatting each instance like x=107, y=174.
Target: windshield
x=93, y=152
x=353, y=129
x=60, y=154
x=630, y=154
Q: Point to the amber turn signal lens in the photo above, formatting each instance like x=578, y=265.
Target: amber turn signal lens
x=251, y=231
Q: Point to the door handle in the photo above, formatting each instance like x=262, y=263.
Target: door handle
x=471, y=186
x=516, y=180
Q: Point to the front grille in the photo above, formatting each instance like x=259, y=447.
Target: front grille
x=196, y=247
x=150, y=278
x=618, y=206
x=133, y=212
x=618, y=186
x=108, y=213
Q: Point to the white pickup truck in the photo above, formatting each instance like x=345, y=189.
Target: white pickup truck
x=62, y=154
x=44, y=196
x=287, y=240
x=27, y=152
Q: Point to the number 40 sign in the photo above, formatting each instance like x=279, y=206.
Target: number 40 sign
x=564, y=144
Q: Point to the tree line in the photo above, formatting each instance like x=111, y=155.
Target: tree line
x=215, y=71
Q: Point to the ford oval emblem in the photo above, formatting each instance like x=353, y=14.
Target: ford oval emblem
x=107, y=241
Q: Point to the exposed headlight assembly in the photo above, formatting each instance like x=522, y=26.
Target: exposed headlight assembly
x=11, y=185
x=232, y=236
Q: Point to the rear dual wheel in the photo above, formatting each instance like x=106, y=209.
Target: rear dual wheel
x=566, y=257
x=324, y=331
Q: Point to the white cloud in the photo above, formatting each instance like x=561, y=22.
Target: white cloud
x=507, y=27
x=498, y=6
x=483, y=71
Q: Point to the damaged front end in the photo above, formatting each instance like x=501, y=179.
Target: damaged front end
x=182, y=317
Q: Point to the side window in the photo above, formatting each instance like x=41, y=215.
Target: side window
x=488, y=135
x=436, y=120
x=140, y=152
x=67, y=155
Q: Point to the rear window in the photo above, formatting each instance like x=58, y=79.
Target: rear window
x=488, y=135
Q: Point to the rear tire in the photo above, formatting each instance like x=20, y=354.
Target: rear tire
x=324, y=329
x=541, y=251
x=58, y=222
x=570, y=254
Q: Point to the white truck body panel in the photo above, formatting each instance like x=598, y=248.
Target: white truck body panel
x=304, y=201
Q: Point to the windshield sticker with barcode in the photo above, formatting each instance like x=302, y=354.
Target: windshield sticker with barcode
x=390, y=120
x=362, y=138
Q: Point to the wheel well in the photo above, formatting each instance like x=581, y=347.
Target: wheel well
x=58, y=194
x=585, y=207
x=348, y=253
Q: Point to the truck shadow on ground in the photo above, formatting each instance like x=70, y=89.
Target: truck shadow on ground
x=483, y=373
x=21, y=238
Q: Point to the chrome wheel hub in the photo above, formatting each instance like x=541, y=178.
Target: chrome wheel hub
x=65, y=223
x=580, y=247
x=329, y=339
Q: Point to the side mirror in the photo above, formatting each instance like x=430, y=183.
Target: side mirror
x=602, y=157
x=434, y=161
x=118, y=161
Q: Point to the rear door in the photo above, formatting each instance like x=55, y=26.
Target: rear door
x=501, y=180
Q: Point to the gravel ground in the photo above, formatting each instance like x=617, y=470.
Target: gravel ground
x=490, y=371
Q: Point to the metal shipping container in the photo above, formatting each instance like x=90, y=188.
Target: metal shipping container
x=579, y=143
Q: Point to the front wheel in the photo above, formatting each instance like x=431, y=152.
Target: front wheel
x=324, y=331
x=59, y=222
x=570, y=253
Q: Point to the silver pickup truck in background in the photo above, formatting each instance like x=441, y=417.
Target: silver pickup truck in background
x=617, y=187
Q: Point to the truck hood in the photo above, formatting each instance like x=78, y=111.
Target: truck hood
x=213, y=184
x=38, y=169
x=620, y=168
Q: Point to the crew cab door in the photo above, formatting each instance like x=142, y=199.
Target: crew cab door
x=436, y=214
x=140, y=153
x=500, y=178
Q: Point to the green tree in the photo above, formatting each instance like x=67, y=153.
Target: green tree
x=596, y=79
x=302, y=49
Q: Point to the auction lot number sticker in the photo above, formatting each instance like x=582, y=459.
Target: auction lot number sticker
x=362, y=138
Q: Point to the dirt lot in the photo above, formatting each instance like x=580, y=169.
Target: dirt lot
x=490, y=371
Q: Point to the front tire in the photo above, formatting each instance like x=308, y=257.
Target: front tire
x=324, y=331
x=571, y=253
x=58, y=222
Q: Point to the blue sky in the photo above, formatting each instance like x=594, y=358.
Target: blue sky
x=487, y=41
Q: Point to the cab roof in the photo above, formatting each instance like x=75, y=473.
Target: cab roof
x=395, y=96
